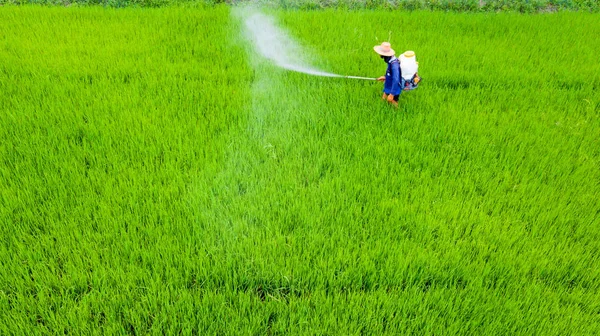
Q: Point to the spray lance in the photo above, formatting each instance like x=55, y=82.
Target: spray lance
x=356, y=77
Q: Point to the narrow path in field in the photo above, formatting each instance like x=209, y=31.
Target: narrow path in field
x=279, y=148
x=295, y=139
x=252, y=174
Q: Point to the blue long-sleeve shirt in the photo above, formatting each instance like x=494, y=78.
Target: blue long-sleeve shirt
x=392, y=77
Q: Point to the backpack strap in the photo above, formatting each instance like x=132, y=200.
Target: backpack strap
x=396, y=60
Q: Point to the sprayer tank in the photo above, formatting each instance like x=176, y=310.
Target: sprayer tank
x=408, y=64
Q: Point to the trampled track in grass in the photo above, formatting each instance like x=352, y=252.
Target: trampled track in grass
x=157, y=176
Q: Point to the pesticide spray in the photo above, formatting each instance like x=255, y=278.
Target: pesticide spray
x=275, y=45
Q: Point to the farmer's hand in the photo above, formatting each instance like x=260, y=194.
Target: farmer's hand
x=390, y=98
x=381, y=79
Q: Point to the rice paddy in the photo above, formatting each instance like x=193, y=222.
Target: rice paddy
x=158, y=176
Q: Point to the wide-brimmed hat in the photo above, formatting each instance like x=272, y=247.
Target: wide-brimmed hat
x=385, y=49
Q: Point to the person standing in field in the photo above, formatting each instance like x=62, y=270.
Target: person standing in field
x=391, y=88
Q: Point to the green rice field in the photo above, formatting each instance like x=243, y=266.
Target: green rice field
x=158, y=176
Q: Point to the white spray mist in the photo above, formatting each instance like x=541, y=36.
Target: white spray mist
x=275, y=45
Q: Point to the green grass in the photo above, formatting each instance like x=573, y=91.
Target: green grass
x=523, y=6
x=157, y=176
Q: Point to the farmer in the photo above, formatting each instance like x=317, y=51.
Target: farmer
x=391, y=88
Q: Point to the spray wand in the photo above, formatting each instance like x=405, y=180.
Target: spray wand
x=356, y=77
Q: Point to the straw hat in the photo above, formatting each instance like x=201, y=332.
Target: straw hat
x=385, y=49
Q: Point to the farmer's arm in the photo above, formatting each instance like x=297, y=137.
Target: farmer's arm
x=396, y=89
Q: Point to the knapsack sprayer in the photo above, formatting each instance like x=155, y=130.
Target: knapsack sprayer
x=409, y=68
